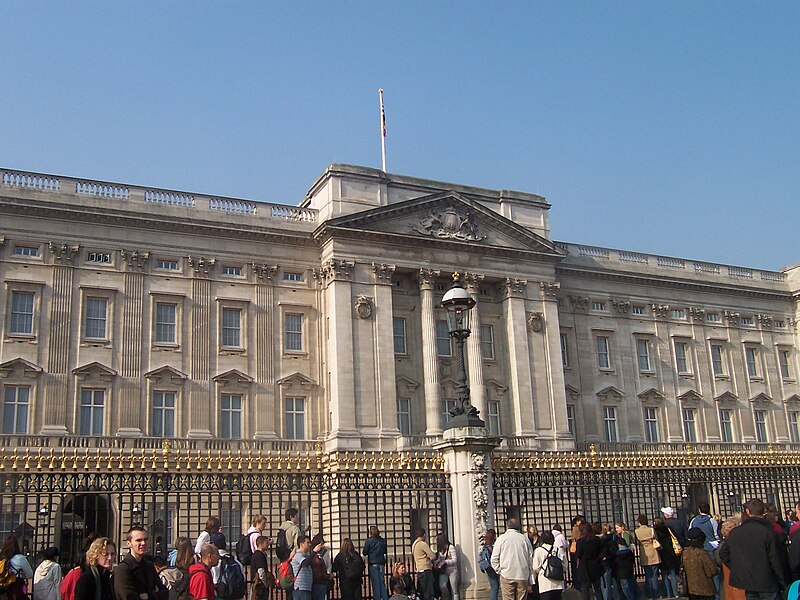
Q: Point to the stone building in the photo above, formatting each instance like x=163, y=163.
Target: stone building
x=147, y=313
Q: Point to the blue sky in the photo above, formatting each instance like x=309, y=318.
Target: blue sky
x=664, y=127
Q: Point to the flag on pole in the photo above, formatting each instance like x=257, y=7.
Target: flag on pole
x=383, y=131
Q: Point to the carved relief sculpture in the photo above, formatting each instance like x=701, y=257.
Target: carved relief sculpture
x=448, y=223
x=732, y=317
x=621, y=306
x=536, y=321
x=363, y=307
x=579, y=302
x=549, y=288
x=134, y=258
x=698, y=314
x=63, y=251
x=264, y=271
x=660, y=310
x=201, y=264
x=480, y=494
x=383, y=271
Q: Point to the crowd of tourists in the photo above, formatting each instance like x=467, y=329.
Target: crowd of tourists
x=753, y=556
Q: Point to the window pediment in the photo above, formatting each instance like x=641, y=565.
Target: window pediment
x=297, y=381
x=794, y=398
x=651, y=396
x=495, y=388
x=761, y=398
x=233, y=377
x=691, y=397
x=406, y=385
x=167, y=374
x=25, y=367
x=727, y=397
x=610, y=394
x=94, y=369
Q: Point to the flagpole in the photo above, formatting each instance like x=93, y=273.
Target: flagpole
x=383, y=131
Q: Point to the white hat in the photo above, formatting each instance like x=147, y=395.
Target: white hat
x=668, y=510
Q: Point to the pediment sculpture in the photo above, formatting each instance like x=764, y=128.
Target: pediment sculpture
x=448, y=223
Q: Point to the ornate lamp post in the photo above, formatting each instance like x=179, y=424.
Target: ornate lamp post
x=458, y=303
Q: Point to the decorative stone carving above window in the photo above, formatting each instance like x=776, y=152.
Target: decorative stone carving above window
x=450, y=224
x=64, y=252
x=134, y=258
x=732, y=317
x=793, y=399
x=94, y=369
x=363, y=307
x=623, y=307
x=573, y=393
x=765, y=321
x=495, y=389
x=167, y=374
x=610, y=394
x=698, y=314
x=727, y=398
x=233, y=377
x=405, y=385
x=335, y=269
x=660, y=310
x=297, y=381
x=201, y=264
x=549, y=288
x=264, y=270
x=580, y=303
x=691, y=398
x=536, y=321
x=651, y=396
x=761, y=398
x=26, y=368
x=384, y=272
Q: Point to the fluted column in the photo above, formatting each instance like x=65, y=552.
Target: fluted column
x=201, y=402
x=519, y=369
x=477, y=388
x=385, y=374
x=552, y=367
x=430, y=363
x=265, y=410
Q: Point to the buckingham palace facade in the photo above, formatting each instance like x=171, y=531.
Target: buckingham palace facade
x=136, y=312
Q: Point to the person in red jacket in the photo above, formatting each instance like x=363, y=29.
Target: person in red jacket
x=201, y=583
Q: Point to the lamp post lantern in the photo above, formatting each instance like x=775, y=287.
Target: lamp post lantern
x=458, y=304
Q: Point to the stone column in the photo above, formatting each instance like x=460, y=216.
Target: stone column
x=385, y=378
x=554, y=369
x=265, y=410
x=477, y=388
x=201, y=402
x=519, y=356
x=468, y=463
x=430, y=361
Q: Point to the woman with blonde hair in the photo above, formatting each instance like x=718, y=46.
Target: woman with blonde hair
x=95, y=580
x=400, y=575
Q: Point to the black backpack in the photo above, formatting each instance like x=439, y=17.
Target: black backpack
x=553, y=567
x=282, y=550
x=231, y=584
x=180, y=589
x=244, y=550
x=353, y=567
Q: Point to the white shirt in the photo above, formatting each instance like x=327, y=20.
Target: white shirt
x=512, y=556
x=539, y=557
x=46, y=581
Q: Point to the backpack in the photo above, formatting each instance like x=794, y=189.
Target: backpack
x=676, y=546
x=180, y=589
x=553, y=567
x=353, y=567
x=285, y=574
x=231, y=584
x=244, y=549
x=485, y=559
x=7, y=575
x=319, y=570
x=282, y=550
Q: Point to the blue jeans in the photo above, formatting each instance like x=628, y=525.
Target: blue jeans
x=605, y=584
x=319, y=591
x=651, y=581
x=376, y=578
x=301, y=595
x=670, y=579
x=494, y=587
x=630, y=588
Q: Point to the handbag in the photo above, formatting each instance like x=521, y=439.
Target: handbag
x=676, y=546
x=656, y=544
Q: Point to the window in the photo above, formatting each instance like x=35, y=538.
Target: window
x=760, y=418
x=164, y=414
x=493, y=417
x=610, y=423
x=295, y=417
x=166, y=315
x=9, y=521
x=15, y=409
x=231, y=328
x=747, y=320
x=26, y=251
x=717, y=364
x=230, y=522
x=650, y=424
x=564, y=350
x=643, y=354
x=571, y=419
x=167, y=265
x=167, y=517
x=91, y=412
x=443, y=346
x=783, y=362
x=712, y=317
x=487, y=342
x=603, y=359
x=751, y=361
x=293, y=327
x=794, y=430
x=447, y=406
x=399, y=327
x=638, y=310
x=779, y=324
x=681, y=357
x=678, y=313
x=404, y=415
x=397, y=283
x=726, y=424
x=232, y=271
x=95, y=325
x=292, y=276
x=230, y=420
x=21, y=313
x=103, y=258
x=598, y=306
x=689, y=428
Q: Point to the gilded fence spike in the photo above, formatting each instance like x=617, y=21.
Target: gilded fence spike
x=39, y=459
x=74, y=458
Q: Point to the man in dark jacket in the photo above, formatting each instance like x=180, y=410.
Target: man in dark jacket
x=135, y=577
x=753, y=555
x=375, y=551
x=676, y=526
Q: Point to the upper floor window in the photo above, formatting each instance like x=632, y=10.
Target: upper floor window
x=31, y=251
x=598, y=306
x=447, y=406
x=487, y=342
x=166, y=315
x=232, y=271
x=293, y=332
x=678, y=313
x=230, y=416
x=404, y=416
x=689, y=426
x=726, y=424
x=780, y=324
x=571, y=419
x=103, y=258
x=443, y=345
x=21, y=322
x=610, y=423
x=643, y=355
x=638, y=310
x=399, y=331
x=16, y=400
x=167, y=264
x=751, y=360
x=651, y=424
x=493, y=417
x=295, y=418
x=746, y=320
x=292, y=276
x=231, y=332
x=682, y=357
x=164, y=414
x=760, y=418
x=603, y=356
x=91, y=412
x=95, y=320
x=794, y=430
x=712, y=317
x=783, y=362
x=717, y=362
x=564, y=350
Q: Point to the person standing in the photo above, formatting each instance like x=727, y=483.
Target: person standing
x=135, y=577
x=699, y=567
x=485, y=562
x=575, y=534
x=212, y=527
x=753, y=556
x=648, y=556
x=47, y=577
x=669, y=560
x=19, y=565
x=257, y=527
x=259, y=569
x=423, y=563
x=704, y=522
x=291, y=530
x=589, y=554
x=549, y=589
x=201, y=581
x=375, y=551
x=349, y=566
x=301, y=567
x=512, y=560
x=448, y=578
x=676, y=526
x=95, y=579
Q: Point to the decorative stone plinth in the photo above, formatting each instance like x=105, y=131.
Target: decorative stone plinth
x=468, y=462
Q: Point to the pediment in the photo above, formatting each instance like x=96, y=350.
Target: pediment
x=296, y=379
x=761, y=398
x=610, y=393
x=233, y=377
x=690, y=396
x=27, y=368
x=726, y=397
x=495, y=388
x=444, y=217
x=651, y=395
x=572, y=390
x=409, y=385
x=95, y=369
x=793, y=398
x=167, y=374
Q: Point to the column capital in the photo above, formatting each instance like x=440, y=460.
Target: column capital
x=427, y=277
x=549, y=289
x=264, y=271
x=134, y=259
x=472, y=281
x=201, y=264
x=515, y=287
x=63, y=252
x=334, y=269
x=383, y=272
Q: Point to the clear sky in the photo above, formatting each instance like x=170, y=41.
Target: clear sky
x=664, y=127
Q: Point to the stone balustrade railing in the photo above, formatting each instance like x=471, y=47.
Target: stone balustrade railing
x=146, y=199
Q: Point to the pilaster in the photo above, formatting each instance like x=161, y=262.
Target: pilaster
x=519, y=356
x=265, y=410
x=385, y=377
x=427, y=278
x=199, y=389
x=554, y=369
x=477, y=388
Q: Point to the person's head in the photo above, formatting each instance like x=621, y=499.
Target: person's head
x=606, y=529
x=209, y=555
x=585, y=530
x=399, y=589
x=642, y=519
x=658, y=523
x=772, y=513
x=185, y=553
x=557, y=527
x=218, y=539
x=347, y=547
x=212, y=525
x=399, y=569
x=491, y=536
x=102, y=553
x=259, y=522
x=317, y=540
x=695, y=537
x=160, y=563
x=512, y=523
x=262, y=542
x=292, y=514
x=577, y=520
x=136, y=540
x=374, y=531
x=729, y=525
x=10, y=547
x=621, y=543
x=668, y=512
x=304, y=543
x=420, y=534
x=442, y=543
x=533, y=532
x=704, y=508
x=50, y=553
x=547, y=537
x=756, y=508
x=797, y=510
x=620, y=527
x=597, y=529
